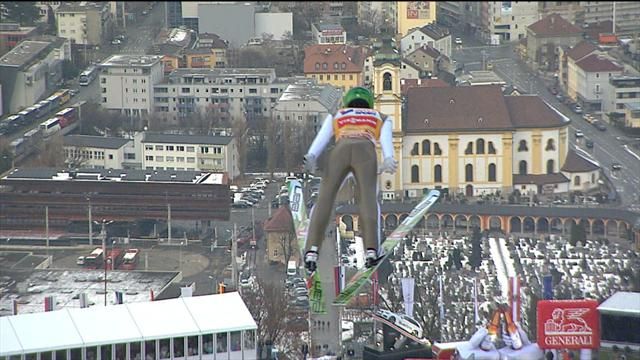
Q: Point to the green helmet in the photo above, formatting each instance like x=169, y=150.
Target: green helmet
x=358, y=93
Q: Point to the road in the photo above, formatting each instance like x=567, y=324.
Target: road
x=608, y=145
x=141, y=32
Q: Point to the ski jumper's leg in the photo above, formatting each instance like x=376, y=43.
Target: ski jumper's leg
x=365, y=168
x=337, y=168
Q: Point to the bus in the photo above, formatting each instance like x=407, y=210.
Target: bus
x=50, y=127
x=54, y=101
x=67, y=117
x=29, y=115
x=42, y=108
x=12, y=123
x=114, y=258
x=95, y=260
x=18, y=147
x=130, y=259
x=87, y=76
x=64, y=95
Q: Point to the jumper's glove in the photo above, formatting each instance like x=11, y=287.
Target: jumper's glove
x=389, y=165
x=310, y=163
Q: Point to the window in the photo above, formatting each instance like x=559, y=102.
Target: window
x=169, y=158
x=523, y=146
x=386, y=82
x=325, y=66
x=426, y=147
x=550, y=166
x=335, y=66
x=335, y=76
x=576, y=181
x=414, y=150
x=436, y=149
x=550, y=145
x=522, y=167
x=207, y=344
x=159, y=147
x=492, y=149
x=468, y=172
x=191, y=160
x=148, y=157
x=321, y=77
x=221, y=343
x=350, y=76
x=469, y=149
x=180, y=148
x=148, y=147
x=437, y=174
x=480, y=146
x=317, y=66
x=191, y=149
x=170, y=147
x=159, y=158
x=415, y=174
x=178, y=347
x=249, y=340
x=492, y=172
x=235, y=341
x=344, y=77
x=179, y=159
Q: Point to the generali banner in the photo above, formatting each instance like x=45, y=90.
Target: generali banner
x=568, y=324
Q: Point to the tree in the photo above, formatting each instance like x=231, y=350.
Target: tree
x=69, y=70
x=240, y=135
x=577, y=234
x=51, y=21
x=476, y=248
x=52, y=155
x=274, y=146
x=22, y=12
x=288, y=246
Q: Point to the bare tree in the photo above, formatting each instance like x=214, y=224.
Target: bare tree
x=274, y=145
x=288, y=246
x=52, y=154
x=239, y=127
x=78, y=158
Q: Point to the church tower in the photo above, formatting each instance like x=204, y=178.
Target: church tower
x=388, y=101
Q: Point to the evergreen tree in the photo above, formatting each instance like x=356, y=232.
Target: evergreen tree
x=577, y=234
x=22, y=12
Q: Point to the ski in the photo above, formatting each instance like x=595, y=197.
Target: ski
x=301, y=225
x=363, y=275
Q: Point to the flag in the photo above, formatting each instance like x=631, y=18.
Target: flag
x=119, y=297
x=408, y=285
x=514, y=297
x=441, y=299
x=547, y=285
x=336, y=279
x=15, y=307
x=152, y=297
x=476, y=317
x=49, y=303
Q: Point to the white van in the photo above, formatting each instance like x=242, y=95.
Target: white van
x=292, y=268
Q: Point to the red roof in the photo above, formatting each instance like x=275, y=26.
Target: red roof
x=280, y=221
x=553, y=25
x=406, y=84
x=338, y=58
x=580, y=50
x=597, y=63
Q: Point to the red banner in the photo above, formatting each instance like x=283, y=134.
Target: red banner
x=568, y=324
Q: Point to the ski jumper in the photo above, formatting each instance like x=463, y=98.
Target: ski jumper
x=356, y=132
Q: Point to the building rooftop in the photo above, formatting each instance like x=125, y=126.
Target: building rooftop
x=308, y=89
x=622, y=302
x=597, y=63
x=31, y=287
x=24, y=53
x=406, y=84
x=76, y=328
x=481, y=77
x=554, y=25
x=475, y=108
x=433, y=31
x=581, y=49
x=280, y=221
x=127, y=175
x=174, y=36
x=78, y=6
x=131, y=60
x=339, y=58
x=240, y=72
x=95, y=141
x=15, y=29
x=187, y=139
x=328, y=26
x=578, y=163
x=213, y=41
x=539, y=179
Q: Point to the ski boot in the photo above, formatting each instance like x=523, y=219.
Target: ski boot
x=371, y=258
x=311, y=259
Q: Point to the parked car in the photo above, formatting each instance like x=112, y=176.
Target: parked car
x=553, y=91
x=579, y=134
x=560, y=97
x=589, y=144
x=616, y=166
x=600, y=126
x=405, y=322
x=458, y=41
x=577, y=109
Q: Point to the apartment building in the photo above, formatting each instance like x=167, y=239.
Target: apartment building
x=96, y=152
x=85, y=23
x=31, y=70
x=12, y=33
x=306, y=101
x=230, y=93
x=545, y=36
x=414, y=14
x=430, y=35
x=126, y=83
x=190, y=152
x=622, y=90
x=589, y=79
x=573, y=11
x=508, y=20
x=324, y=33
x=624, y=13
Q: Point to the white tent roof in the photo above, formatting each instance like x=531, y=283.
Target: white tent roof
x=159, y=318
x=9, y=343
x=100, y=324
x=45, y=331
x=73, y=328
x=234, y=315
x=622, y=302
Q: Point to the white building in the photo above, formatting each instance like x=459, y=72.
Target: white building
x=622, y=90
x=190, y=152
x=84, y=23
x=627, y=13
x=583, y=173
x=31, y=70
x=95, y=152
x=305, y=101
x=230, y=93
x=45, y=6
x=589, y=78
x=508, y=20
x=328, y=33
x=429, y=35
x=126, y=83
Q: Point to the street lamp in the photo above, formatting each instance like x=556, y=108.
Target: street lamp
x=106, y=264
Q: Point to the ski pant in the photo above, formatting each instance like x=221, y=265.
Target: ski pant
x=356, y=155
